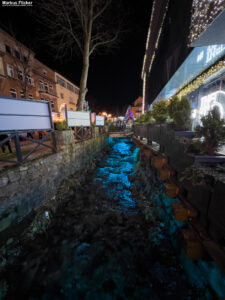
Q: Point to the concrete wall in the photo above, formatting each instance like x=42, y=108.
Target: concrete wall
x=25, y=187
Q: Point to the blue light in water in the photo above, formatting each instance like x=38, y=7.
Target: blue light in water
x=115, y=170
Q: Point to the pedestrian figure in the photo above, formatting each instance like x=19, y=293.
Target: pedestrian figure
x=2, y=137
x=29, y=135
x=40, y=135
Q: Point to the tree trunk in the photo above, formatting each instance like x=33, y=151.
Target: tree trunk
x=84, y=76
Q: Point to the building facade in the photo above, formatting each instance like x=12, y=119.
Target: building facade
x=44, y=79
x=67, y=93
x=23, y=76
x=185, y=54
x=16, y=68
x=137, y=107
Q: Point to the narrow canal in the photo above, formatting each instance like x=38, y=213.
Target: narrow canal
x=99, y=244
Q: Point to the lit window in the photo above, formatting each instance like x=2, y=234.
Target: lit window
x=46, y=87
x=17, y=54
x=22, y=94
x=30, y=96
x=10, y=71
x=13, y=93
x=20, y=75
x=8, y=49
x=41, y=85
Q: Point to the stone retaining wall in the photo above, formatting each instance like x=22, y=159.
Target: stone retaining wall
x=25, y=187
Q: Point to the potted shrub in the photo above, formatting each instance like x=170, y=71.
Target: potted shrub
x=212, y=130
x=180, y=112
x=160, y=111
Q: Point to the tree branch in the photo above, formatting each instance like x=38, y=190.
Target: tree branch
x=103, y=43
x=101, y=10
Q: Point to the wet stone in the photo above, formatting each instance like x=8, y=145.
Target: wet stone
x=99, y=244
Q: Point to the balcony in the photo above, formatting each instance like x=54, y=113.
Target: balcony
x=43, y=90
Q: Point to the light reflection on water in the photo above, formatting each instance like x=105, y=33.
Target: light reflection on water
x=114, y=172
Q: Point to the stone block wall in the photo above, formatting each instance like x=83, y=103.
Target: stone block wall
x=25, y=187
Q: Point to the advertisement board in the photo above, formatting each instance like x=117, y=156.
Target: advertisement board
x=100, y=121
x=22, y=115
x=78, y=118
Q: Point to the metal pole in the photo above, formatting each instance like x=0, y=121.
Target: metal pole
x=52, y=126
x=18, y=148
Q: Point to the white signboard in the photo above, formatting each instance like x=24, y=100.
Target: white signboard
x=100, y=121
x=20, y=114
x=78, y=118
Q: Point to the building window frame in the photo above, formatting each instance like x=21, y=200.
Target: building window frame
x=46, y=87
x=10, y=71
x=41, y=85
x=13, y=93
x=20, y=75
x=31, y=96
x=51, y=89
x=8, y=49
x=22, y=94
x=17, y=54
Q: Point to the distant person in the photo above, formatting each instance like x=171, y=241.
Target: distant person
x=30, y=135
x=40, y=133
x=2, y=137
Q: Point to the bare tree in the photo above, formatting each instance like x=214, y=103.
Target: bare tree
x=23, y=64
x=83, y=24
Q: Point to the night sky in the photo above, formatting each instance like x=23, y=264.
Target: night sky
x=114, y=79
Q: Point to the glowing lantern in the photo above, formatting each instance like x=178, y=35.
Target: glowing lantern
x=165, y=174
x=172, y=190
x=159, y=161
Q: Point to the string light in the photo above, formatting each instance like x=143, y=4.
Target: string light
x=195, y=84
x=203, y=13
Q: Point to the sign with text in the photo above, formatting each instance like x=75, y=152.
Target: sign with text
x=78, y=118
x=21, y=114
x=100, y=121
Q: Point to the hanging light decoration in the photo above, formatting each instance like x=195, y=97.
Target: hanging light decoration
x=203, y=13
x=195, y=84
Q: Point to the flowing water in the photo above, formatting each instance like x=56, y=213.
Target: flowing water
x=100, y=245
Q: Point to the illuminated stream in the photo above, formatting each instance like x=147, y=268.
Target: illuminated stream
x=100, y=244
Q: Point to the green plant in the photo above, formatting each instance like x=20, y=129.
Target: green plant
x=160, y=111
x=180, y=112
x=145, y=118
x=61, y=125
x=194, y=175
x=213, y=131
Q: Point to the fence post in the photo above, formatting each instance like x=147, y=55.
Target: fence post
x=18, y=148
x=53, y=130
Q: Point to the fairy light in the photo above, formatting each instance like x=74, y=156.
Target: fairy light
x=147, y=41
x=144, y=92
x=195, y=84
x=203, y=13
x=158, y=37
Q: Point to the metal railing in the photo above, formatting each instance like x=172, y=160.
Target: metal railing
x=17, y=137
